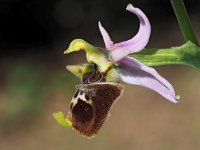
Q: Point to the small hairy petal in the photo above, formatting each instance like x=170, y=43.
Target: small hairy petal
x=138, y=42
x=133, y=72
x=107, y=40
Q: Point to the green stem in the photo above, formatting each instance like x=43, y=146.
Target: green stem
x=184, y=21
x=158, y=57
x=188, y=54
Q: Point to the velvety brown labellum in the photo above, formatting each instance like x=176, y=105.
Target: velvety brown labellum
x=91, y=104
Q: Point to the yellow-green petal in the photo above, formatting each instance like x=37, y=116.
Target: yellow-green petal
x=62, y=120
x=80, y=70
x=93, y=54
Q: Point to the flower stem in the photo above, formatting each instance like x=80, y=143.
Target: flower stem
x=188, y=54
x=184, y=21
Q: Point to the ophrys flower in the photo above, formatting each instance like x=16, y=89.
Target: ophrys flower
x=93, y=98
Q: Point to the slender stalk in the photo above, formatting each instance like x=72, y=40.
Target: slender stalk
x=158, y=57
x=188, y=54
x=184, y=21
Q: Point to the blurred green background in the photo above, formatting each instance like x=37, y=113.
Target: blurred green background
x=34, y=82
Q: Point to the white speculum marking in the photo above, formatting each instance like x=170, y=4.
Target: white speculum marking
x=82, y=97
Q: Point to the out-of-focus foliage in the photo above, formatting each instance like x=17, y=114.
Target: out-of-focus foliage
x=25, y=95
x=28, y=89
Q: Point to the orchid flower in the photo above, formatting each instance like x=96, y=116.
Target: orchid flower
x=104, y=69
x=131, y=70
